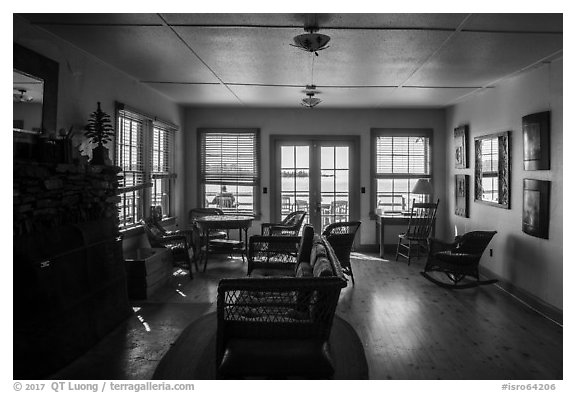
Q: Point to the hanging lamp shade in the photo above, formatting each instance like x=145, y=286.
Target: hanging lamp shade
x=311, y=42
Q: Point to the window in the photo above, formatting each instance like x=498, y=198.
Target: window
x=144, y=152
x=400, y=158
x=230, y=169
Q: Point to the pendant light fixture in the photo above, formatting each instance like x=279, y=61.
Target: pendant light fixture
x=310, y=101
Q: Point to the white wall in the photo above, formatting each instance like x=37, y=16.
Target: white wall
x=84, y=80
x=532, y=264
x=318, y=121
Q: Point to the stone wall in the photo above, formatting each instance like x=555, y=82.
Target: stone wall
x=69, y=274
x=48, y=195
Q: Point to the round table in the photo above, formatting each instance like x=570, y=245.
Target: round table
x=218, y=222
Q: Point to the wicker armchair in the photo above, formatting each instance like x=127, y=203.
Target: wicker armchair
x=278, y=255
x=458, y=260
x=341, y=236
x=178, y=244
x=290, y=226
x=278, y=327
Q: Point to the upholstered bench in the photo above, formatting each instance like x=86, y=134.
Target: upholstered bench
x=279, y=326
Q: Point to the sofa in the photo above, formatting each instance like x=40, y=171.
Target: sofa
x=278, y=326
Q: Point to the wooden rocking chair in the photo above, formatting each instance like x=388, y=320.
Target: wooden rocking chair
x=422, y=219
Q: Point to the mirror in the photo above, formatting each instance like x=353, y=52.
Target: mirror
x=492, y=170
x=27, y=99
x=35, y=96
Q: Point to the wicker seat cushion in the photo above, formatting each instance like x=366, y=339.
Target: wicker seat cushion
x=270, y=357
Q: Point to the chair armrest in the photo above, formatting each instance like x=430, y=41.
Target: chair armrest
x=180, y=240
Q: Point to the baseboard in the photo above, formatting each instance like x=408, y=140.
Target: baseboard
x=551, y=312
x=366, y=248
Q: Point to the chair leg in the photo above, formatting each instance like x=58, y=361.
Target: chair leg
x=398, y=247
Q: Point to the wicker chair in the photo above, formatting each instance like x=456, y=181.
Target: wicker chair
x=341, y=236
x=458, y=260
x=177, y=243
x=290, y=226
x=422, y=219
x=278, y=327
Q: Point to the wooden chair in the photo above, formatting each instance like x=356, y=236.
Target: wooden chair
x=178, y=244
x=341, y=236
x=156, y=219
x=290, y=226
x=422, y=219
x=458, y=259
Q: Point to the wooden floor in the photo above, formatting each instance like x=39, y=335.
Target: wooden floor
x=411, y=328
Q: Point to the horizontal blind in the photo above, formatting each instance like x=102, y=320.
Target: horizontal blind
x=162, y=148
x=402, y=155
x=130, y=147
x=229, y=158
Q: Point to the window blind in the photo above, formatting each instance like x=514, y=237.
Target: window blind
x=229, y=158
x=402, y=155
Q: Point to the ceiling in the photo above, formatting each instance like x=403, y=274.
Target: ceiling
x=374, y=60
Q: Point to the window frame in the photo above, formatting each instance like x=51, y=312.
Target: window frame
x=146, y=187
x=258, y=151
x=395, y=132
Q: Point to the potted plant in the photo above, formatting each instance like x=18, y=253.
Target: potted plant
x=100, y=131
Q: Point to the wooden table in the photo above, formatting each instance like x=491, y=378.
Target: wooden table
x=218, y=222
x=382, y=220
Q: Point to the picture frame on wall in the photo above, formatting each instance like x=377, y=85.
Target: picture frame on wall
x=536, y=137
x=536, y=208
x=461, y=147
x=461, y=189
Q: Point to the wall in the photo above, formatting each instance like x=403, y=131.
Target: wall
x=320, y=121
x=531, y=264
x=84, y=80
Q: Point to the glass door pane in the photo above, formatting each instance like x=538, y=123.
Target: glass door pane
x=295, y=184
x=334, y=184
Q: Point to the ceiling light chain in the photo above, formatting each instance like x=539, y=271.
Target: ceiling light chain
x=311, y=42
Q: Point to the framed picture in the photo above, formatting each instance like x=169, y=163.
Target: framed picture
x=461, y=146
x=461, y=194
x=536, y=136
x=536, y=208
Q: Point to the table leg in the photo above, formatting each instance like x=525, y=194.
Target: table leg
x=206, y=244
x=381, y=221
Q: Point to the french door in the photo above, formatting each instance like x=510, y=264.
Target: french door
x=317, y=175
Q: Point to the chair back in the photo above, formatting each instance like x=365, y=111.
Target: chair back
x=341, y=236
x=198, y=212
x=474, y=242
x=153, y=234
x=422, y=218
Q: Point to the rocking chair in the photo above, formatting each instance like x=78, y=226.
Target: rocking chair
x=458, y=260
x=422, y=219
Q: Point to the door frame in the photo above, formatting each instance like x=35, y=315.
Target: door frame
x=354, y=163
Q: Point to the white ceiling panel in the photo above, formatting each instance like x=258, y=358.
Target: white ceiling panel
x=420, y=97
x=515, y=22
x=147, y=53
x=325, y=21
x=197, y=95
x=369, y=54
x=356, y=57
x=249, y=55
x=477, y=59
x=104, y=19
